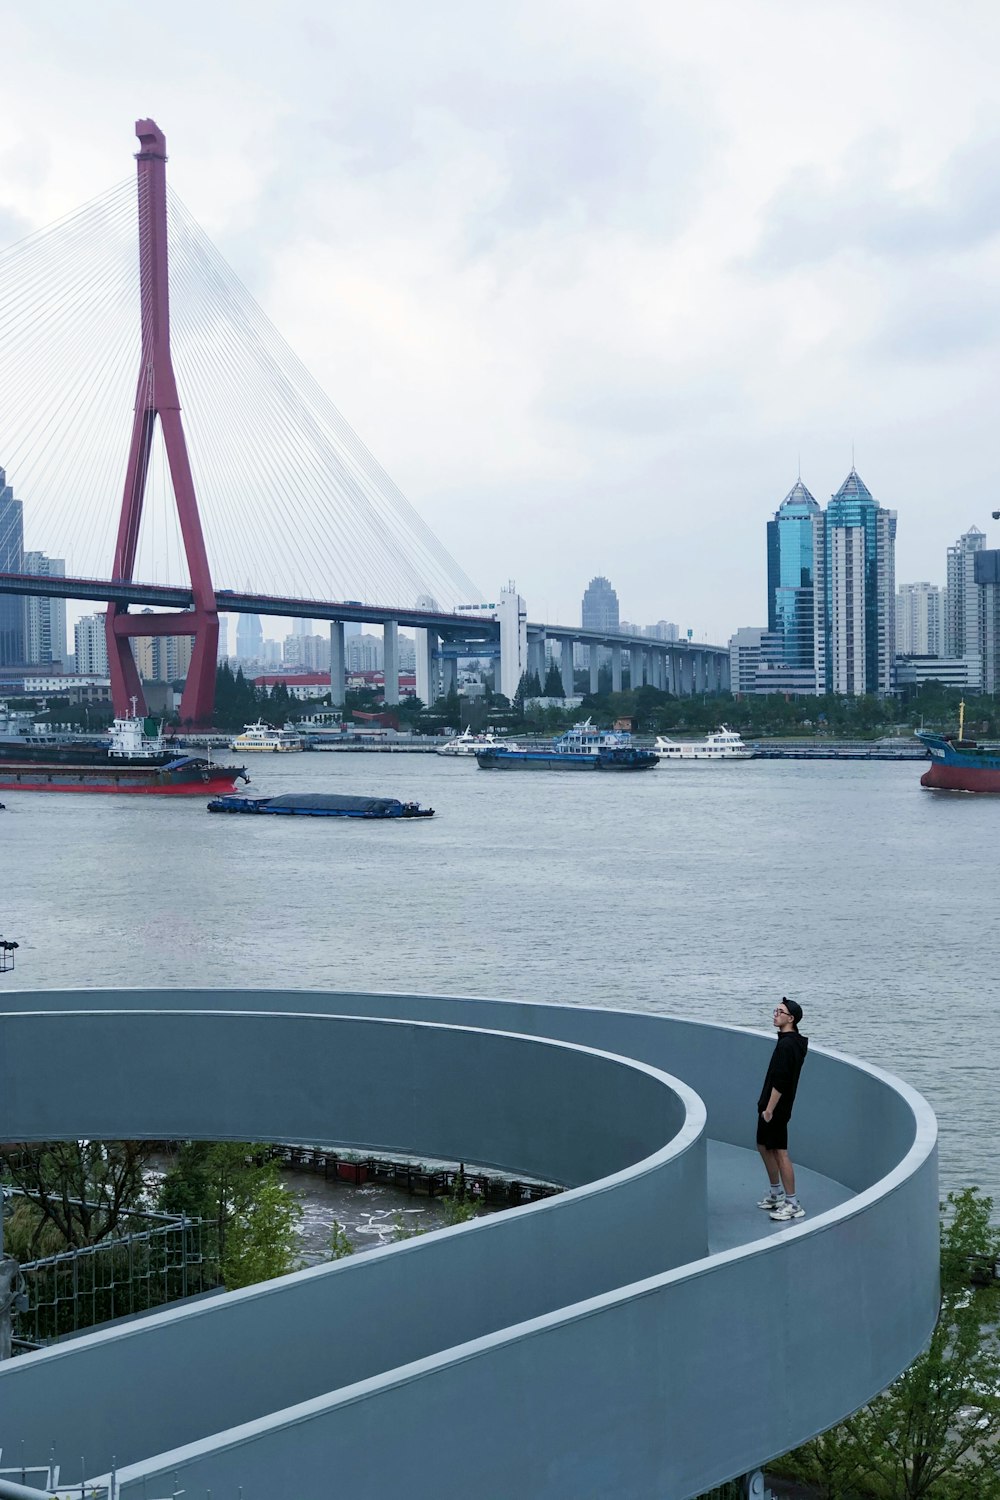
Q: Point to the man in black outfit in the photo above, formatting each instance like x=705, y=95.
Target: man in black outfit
x=774, y=1109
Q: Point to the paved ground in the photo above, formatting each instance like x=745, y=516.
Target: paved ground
x=736, y=1180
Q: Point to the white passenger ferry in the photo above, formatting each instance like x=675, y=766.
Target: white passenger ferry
x=724, y=744
x=261, y=736
x=468, y=743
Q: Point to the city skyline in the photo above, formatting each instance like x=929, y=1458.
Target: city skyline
x=639, y=300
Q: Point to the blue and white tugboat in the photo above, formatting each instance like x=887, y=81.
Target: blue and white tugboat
x=582, y=748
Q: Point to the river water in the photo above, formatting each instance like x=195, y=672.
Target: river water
x=700, y=890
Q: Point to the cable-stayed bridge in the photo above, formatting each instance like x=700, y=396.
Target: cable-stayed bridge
x=254, y=480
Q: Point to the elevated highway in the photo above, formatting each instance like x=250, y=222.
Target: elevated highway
x=648, y=1332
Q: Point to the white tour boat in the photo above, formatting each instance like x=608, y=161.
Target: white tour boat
x=468, y=743
x=724, y=744
x=261, y=736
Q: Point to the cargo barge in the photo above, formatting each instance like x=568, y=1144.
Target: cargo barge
x=134, y=760
x=321, y=805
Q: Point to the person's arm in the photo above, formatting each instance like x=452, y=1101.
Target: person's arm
x=772, y=1105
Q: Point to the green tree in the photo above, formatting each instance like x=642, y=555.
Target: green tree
x=935, y=1433
x=553, y=682
x=236, y=1187
x=79, y=1192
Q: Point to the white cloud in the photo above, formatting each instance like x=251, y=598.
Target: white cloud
x=586, y=279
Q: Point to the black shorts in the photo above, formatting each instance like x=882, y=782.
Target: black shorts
x=772, y=1133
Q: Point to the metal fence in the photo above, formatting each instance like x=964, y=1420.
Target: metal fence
x=169, y=1258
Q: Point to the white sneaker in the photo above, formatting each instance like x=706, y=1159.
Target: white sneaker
x=788, y=1211
x=770, y=1202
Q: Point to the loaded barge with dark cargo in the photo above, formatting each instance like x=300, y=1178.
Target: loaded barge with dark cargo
x=322, y=805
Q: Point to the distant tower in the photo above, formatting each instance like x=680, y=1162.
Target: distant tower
x=11, y=561
x=918, y=619
x=91, y=646
x=859, y=539
x=963, y=624
x=791, y=578
x=600, y=607
x=45, y=619
x=249, y=638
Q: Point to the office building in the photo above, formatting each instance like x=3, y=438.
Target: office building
x=963, y=616
x=249, y=638
x=792, y=545
x=11, y=561
x=859, y=595
x=44, y=618
x=918, y=619
x=744, y=658
x=91, y=648
x=599, y=610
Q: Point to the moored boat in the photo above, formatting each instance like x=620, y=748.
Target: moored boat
x=582, y=748
x=322, y=805
x=260, y=736
x=958, y=764
x=134, y=759
x=723, y=744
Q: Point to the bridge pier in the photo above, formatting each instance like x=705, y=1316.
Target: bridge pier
x=337, y=663
x=616, y=669
x=536, y=658
x=566, y=666
x=390, y=663
x=425, y=641
x=595, y=667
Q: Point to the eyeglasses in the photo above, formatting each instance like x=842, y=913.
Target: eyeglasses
x=779, y=1010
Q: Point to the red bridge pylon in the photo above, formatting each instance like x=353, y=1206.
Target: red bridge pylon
x=156, y=396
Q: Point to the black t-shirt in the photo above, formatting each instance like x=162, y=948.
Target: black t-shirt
x=783, y=1073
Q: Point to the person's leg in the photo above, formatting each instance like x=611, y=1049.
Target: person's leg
x=783, y=1164
x=770, y=1160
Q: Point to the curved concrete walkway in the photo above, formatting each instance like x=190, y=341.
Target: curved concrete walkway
x=649, y=1332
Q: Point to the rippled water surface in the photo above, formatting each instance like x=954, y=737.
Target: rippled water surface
x=702, y=890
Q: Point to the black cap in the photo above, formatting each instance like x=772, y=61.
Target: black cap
x=793, y=1008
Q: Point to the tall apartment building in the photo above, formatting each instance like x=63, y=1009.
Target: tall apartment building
x=162, y=658
x=859, y=596
x=963, y=619
x=11, y=561
x=310, y=652
x=919, y=619
x=44, y=618
x=363, y=653
x=91, y=648
x=987, y=577
x=599, y=610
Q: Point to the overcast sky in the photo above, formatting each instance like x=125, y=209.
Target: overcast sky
x=588, y=279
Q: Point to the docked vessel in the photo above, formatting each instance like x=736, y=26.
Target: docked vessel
x=261, y=736
x=134, y=759
x=958, y=764
x=322, y=805
x=582, y=748
x=724, y=744
x=469, y=744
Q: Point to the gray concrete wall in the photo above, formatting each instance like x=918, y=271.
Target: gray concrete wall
x=679, y=1371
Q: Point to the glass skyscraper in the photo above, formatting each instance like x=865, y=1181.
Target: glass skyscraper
x=791, y=579
x=599, y=610
x=11, y=561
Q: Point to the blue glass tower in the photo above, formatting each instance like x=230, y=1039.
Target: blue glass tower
x=791, y=577
x=11, y=561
